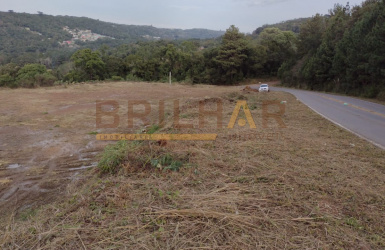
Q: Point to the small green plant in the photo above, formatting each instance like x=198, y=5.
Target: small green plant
x=153, y=129
x=93, y=133
x=172, y=195
x=253, y=107
x=113, y=157
x=353, y=222
x=166, y=162
x=27, y=214
x=185, y=116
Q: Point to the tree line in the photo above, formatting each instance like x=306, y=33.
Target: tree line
x=342, y=52
x=228, y=60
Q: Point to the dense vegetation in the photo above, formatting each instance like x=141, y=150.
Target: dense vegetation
x=343, y=52
x=290, y=25
x=27, y=38
x=230, y=59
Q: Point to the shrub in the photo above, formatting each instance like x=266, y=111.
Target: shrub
x=113, y=157
x=7, y=81
x=75, y=76
x=381, y=95
x=34, y=75
x=116, y=78
x=134, y=78
x=45, y=79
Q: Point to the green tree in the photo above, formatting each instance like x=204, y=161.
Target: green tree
x=172, y=61
x=280, y=45
x=231, y=56
x=360, y=55
x=8, y=74
x=89, y=64
x=34, y=75
x=256, y=59
x=310, y=37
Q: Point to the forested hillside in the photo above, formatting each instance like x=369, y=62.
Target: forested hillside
x=343, y=52
x=228, y=60
x=290, y=25
x=26, y=36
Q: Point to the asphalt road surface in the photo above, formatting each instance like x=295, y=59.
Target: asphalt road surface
x=365, y=119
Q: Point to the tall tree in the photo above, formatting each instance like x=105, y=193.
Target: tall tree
x=231, y=55
x=90, y=63
x=310, y=37
x=281, y=45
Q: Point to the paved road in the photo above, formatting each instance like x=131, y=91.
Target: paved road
x=366, y=119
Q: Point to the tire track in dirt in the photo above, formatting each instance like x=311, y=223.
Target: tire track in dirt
x=41, y=171
x=46, y=131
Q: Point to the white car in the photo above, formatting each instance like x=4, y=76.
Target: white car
x=264, y=88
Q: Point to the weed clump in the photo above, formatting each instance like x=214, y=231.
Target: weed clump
x=167, y=162
x=113, y=157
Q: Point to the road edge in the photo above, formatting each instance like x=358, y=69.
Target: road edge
x=338, y=124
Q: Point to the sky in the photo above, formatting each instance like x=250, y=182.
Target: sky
x=247, y=15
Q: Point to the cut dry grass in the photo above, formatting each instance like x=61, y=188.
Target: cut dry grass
x=315, y=186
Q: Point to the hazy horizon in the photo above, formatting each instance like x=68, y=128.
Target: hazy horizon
x=247, y=15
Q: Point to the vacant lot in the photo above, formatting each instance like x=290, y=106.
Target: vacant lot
x=309, y=185
x=47, y=135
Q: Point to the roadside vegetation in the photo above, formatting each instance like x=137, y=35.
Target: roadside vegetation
x=343, y=52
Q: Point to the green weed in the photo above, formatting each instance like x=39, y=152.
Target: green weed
x=154, y=128
x=166, y=162
x=28, y=213
x=353, y=222
x=113, y=157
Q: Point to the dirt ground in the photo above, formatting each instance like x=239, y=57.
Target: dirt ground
x=311, y=185
x=46, y=137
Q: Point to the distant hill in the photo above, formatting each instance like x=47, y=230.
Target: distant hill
x=290, y=25
x=22, y=33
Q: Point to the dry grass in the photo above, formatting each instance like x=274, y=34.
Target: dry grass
x=315, y=187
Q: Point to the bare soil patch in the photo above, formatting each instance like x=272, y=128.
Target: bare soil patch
x=312, y=186
x=46, y=138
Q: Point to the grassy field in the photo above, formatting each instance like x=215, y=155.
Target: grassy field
x=310, y=185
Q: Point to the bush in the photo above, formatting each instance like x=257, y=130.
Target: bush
x=45, y=79
x=116, y=78
x=7, y=81
x=75, y=76
x=134, y=78
x=371, y=92
x=381, y=95
x=34, y=75
x=113, y=157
